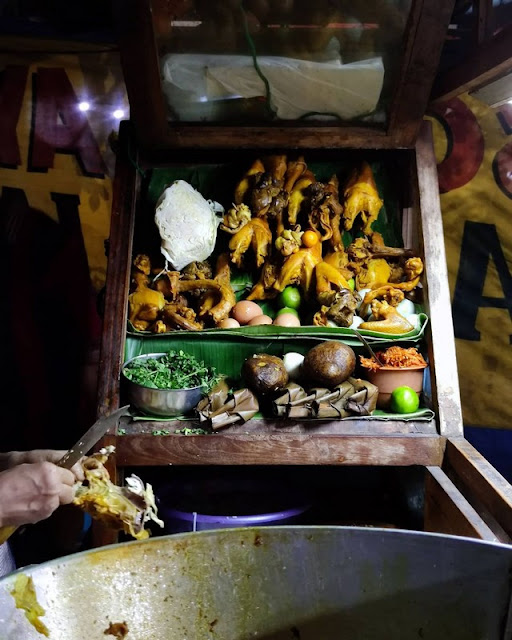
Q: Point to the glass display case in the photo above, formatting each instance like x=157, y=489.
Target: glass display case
x=328, y=73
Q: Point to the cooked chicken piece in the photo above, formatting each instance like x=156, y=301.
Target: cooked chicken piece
x=197, y=271
x=298, y=195
x=326, y=211
x=361, y=198
x=299, y=268
x=375, y=273
x=387, y=292
x=266, y=188
x=142, y=263
x=387, y=320
x=235, y=218
x=126, y=508
x=225, y=293
x=329, y=281
x=339, y=260
x=222, y=275
x=289, y=241
x=341, y=310
x=294, y=171
x=178, y=317
x=245, y=183
x=255, y=234
x=263, y=289
x=144, y=303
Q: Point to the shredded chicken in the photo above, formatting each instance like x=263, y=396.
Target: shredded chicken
x=395, y=357
x=126, y=508
x=24, y=594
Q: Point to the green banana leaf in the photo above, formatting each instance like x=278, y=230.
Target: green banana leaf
x=226, y=350
x=422, y=415
x=264, y=332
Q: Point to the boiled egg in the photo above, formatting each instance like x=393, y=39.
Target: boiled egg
x=414, y=319
x=292, y=363
x=356, y=321
x=405, y=308
x=228, y=323
x=287, y=320
x=245, y=310
x=263, y=319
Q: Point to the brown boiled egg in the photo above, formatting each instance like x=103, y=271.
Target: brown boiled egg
x=228, y=323
x=287, y=320
x=245, y=310
x=263, y=319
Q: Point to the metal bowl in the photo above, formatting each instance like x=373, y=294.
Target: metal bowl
x=160, y=402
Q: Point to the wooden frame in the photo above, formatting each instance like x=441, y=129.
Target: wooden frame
x=344, y=442
x=490, y=58
x=425, y=33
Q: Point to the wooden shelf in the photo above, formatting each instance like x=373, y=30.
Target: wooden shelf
x=263, y=442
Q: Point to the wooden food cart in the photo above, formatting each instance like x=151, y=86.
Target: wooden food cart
x=463, y=494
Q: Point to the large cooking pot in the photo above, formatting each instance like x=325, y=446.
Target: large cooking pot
x=281, y=583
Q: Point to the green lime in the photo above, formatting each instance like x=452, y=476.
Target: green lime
x=404, y=400
x=287, y=310
x=290, y=297
x=352, y=284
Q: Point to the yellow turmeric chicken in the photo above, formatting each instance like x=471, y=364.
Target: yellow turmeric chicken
x=361, y=198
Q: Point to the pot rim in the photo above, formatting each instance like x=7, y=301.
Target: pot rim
x=417, y=367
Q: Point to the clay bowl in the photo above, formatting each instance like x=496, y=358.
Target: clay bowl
x=389, y=378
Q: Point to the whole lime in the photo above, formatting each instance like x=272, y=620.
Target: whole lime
x=404, y=400
x=288, y=310
x=290, y=297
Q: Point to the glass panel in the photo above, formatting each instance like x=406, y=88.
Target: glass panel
x=266, y=60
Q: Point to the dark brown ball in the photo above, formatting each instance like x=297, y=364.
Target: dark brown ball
x=264, y=373
x=328, y=364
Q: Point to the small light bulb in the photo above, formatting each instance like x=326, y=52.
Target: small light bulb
x=84, y=106
x=118, y=114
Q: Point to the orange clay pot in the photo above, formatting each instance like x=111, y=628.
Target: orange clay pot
x=387, y=379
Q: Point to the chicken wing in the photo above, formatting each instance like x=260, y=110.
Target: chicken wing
x=387, y=320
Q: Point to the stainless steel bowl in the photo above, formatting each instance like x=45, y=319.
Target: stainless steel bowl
x=160, y=402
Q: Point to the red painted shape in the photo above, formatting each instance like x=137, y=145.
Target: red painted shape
x=465, y=144
x=502, y=169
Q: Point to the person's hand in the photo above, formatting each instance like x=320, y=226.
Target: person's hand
x=32, y=492
x=15, y=458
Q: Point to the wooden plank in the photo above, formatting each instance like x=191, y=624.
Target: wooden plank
x=496, y=93
x=356, y=426
x=283, y=449
x=275, y=136
x=484, y=20
x=445, y=376
x=479, y=481
x=141, y=69
x=447, y=511
x=425, y=35
x=118, y=276
x=489, y=62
